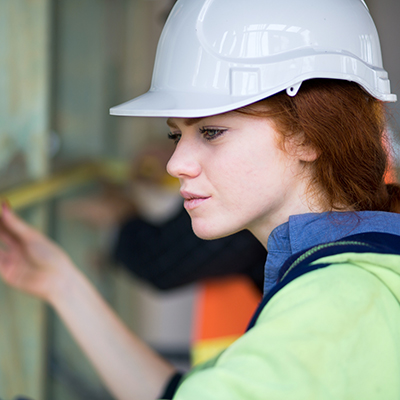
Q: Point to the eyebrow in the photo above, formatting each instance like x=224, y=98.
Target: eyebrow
x=186, y=121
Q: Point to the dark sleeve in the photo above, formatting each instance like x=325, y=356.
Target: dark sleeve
x=171, y=255
x=171, y=387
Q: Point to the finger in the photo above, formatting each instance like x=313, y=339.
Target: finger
x=14, y=224
x=8, y=240
x=7, y=263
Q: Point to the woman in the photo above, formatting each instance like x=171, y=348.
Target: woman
x=264, y=144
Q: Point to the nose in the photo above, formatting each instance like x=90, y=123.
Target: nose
x=184, y=163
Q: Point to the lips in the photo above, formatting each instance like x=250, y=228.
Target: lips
x=192, y=201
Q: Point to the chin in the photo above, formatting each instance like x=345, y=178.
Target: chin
x=208, y=232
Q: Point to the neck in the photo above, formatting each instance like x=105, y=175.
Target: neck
x=263, y=228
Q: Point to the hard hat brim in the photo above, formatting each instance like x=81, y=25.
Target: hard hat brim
x=180, y=105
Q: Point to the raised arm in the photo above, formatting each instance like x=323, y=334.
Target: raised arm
x=34, y=264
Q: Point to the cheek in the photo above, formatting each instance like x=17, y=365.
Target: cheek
x=237, y=183
x=257, y=178
x=246, y=168
x=231, y=175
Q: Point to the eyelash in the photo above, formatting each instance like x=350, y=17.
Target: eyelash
x=217, y=133
x=174, y=136
x=204, y=132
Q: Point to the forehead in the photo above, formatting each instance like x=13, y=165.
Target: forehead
x=171, y=122
x=254, y=110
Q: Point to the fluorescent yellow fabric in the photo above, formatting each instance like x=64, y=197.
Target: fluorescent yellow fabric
x=333, y=333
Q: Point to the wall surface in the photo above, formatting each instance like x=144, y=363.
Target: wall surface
x=24, y=130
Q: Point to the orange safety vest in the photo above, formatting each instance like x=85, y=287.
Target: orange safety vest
x=223, y=309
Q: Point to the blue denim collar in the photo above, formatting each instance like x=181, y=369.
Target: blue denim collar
x=308, y=230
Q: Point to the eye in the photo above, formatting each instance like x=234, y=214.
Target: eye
x=211, y=133
x=174, y=136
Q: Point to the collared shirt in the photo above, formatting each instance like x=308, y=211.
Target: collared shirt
x=307, y=230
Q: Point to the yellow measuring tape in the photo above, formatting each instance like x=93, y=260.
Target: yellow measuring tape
x=44, y=189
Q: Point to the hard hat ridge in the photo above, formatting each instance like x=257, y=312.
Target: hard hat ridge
x=218, y=55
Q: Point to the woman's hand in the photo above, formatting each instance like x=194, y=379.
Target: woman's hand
x=31, y=262
x=28, y=260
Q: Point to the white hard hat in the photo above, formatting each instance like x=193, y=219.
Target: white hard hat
x=215, y=56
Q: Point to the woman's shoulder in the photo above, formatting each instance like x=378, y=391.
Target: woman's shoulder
x=358, y=257
x=340, y=285
x=323, y=323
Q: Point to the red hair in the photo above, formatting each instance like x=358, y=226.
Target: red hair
x=345, y=126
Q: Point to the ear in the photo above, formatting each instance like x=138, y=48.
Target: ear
x=306, y=153
x=302, y=151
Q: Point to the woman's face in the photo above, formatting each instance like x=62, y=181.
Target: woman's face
x=234, y=176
